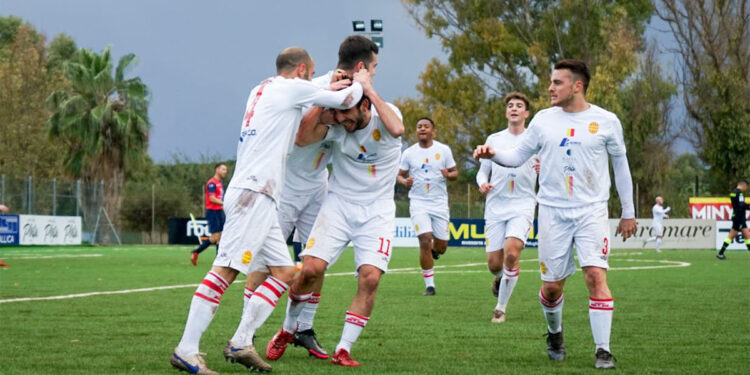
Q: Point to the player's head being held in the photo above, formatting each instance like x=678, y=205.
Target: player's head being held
x=742, y=185
x=220, y=169
x=569, y=82
x=357, y=52
x=295, y=62
x=354, y=118
x=517, y=108
x=425, y=130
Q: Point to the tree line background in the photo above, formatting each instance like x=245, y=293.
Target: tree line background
x=73, y=113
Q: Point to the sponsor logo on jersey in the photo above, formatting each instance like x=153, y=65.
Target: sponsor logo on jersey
x=566, y=141
x=570, y=132
x=364, y=157
x=376, y=135
x=247, y=133
x=247, y=257
x=593, y=127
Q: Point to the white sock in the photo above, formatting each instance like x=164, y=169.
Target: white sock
x=651, y=239
x=600, y=316
x=203, y=307
x=658, y=244
x=353, y=326
x=305, y=319
x=294, y=307
x=429, y=278
x=258, y=309
x=552, y=312
x=246, y=298
x=510, y=278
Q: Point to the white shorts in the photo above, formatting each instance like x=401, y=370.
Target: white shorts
x=657, y=230
x=497, y=231
x=560, y=228
x=370, y=227
x=298, y=211
x=251, y=232
x=428, y=219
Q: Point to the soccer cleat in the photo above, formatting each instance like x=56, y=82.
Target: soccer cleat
x=435, y=254
x=307, y=340
x=430, y=291
x=496, y=285
x=721, y=256
x=194, y=258
x=498, y=317
x=343, y=358
x=194, y=364
x=277, y=345
x=604, y=359
x=555, y=346
x=246, y=356
x=298, y=266
x=3, y=264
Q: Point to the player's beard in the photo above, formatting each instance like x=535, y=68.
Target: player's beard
x=358, y=124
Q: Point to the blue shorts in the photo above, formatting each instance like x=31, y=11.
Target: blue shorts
x=215, y=220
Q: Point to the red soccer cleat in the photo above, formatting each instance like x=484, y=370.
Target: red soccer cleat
x=194, y=258
x=3, y=264
x=343, y=358
x=278, y=343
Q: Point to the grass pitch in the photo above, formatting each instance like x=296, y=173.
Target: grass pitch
x=675, y=312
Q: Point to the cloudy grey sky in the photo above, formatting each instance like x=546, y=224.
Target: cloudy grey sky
x=202, y=58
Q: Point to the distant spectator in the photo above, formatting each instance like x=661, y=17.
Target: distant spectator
x=3, y=209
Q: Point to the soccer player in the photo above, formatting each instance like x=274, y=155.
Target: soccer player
x=252, y=231
x=659, y=213
x=509, y=208
x=428, y=163
x=3, y=210
x=214, y=211
x=573, y=139
x=359, y=208
x=306, y=186
x=739, y=223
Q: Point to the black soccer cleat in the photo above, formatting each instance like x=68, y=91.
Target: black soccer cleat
x=496, y=285
x=604, y=359
x=435, y=254
x=555, y=346
x=430, y=291
x=307, y=340
x=721, y=256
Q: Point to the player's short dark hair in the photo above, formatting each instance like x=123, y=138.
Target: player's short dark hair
x=219, y=165
x=356, y=48
x=579, y=69
x=742, y=182
x=428, y=119
x=290, y=58
x=520, y=96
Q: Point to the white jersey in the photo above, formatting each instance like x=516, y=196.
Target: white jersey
x=573, y=149
x=659, y=213
x=365, y=162
x=272, y=116
x=424, y=164
x=513, y=188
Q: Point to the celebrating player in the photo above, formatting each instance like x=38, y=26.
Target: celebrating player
x=659, y=213
x=573, y=139
x=273, y=111
x=509, y=209
x=306, y=186
x=359, y=208
x=739, y=222
x=428, y=163
x=214, y=211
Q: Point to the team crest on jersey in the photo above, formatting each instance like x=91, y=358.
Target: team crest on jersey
x=376, y=135
x=593, y=127
x=437, y=156
x=543, y=268
x=416, y=228
x=310, y=243
x=247, y=257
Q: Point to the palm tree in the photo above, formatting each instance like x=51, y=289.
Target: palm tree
x=102, y=119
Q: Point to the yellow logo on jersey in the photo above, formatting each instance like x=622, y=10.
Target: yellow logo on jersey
x=247, y=257
x=543, y=267
x=593, y=128
x=437, y=156
x=376, y=135
x=310, y=243
x=416, y=228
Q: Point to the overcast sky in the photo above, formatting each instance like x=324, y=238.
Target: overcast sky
x=201, y=58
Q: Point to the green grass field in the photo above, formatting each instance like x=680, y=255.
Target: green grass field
x=675, y=312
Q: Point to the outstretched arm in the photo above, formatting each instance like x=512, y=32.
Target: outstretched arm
x=313, y=126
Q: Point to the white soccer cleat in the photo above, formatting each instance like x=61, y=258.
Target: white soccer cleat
x=498, y=317
x=194, y=364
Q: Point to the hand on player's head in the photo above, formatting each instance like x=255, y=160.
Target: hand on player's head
x=363, y=77
x=340, y=84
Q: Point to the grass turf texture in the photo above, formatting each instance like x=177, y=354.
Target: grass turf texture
x=672, y=320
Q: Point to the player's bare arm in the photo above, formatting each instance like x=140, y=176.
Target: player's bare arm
x=450, y=173
x=401, y=178
x=392, y=122
x=214, y=200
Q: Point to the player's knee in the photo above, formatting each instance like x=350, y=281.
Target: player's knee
x=511, y=260
x=425, y=241
x=440, y=245
x=552, y=290
x=369, y=277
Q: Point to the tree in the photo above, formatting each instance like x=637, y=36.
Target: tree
x=713, y=42
x=102, y=119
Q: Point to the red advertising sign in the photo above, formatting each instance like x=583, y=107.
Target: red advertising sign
x=711, y=208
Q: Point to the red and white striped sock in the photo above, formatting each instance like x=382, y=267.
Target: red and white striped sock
x=294, y=307
x=508, y=283
x=203, y=307
x=429, y=278
x=246, y=297
x=305, y=320
x=600, y=316
x=552, y=311
x=259, y=308
x=353, y=326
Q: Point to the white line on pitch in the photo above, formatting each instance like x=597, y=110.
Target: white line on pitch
x=53, y=256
